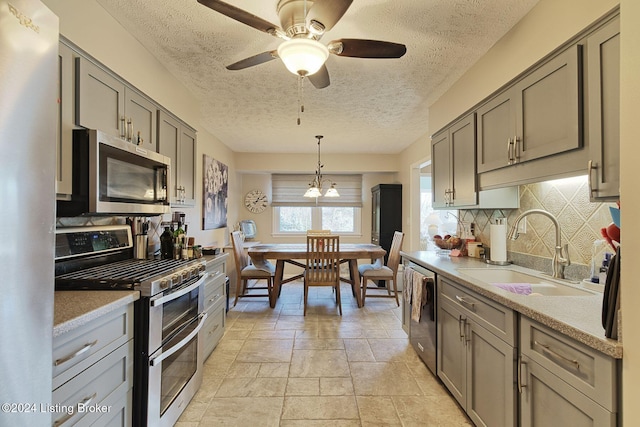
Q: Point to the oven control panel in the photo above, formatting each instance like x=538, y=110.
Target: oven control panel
x=75, y=242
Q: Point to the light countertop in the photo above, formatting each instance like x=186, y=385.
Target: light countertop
x=73, y=309
x=578, y=317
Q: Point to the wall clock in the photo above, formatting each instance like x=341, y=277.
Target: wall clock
x=255, y=201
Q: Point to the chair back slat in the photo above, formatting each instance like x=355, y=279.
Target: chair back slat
x=394, y=252
x=323, y=266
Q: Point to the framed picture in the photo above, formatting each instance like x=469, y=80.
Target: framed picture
x=215, y=190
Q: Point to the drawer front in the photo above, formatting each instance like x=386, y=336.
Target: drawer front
x=214, y=291
x=494, y=317
x=591, y=372
x=217, y=266
x=120, y=413
x=94, y=388
x=78, y=349
x=213, y=330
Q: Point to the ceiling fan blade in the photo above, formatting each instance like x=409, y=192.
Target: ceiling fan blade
x=244, y=17
x=258, y=59
x=360, y=48
x=320, y=79
x=327, y=12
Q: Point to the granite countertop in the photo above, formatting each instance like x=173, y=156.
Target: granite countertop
x=73, y=309
x=578, y=317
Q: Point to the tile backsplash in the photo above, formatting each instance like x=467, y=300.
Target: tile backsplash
x=580, y=221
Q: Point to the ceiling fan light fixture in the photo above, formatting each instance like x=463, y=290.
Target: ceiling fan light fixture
x=303, y=56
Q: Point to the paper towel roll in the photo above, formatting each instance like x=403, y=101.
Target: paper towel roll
x=498, y=242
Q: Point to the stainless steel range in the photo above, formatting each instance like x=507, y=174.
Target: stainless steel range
x=167, y=317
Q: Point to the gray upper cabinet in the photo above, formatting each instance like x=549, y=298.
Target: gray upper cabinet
x=177, y=141
x=65, y=121
x=603, y=56
x=453, y=165
x=496, y=129
x=108, y=104
x=100, y=98
x=143, y=114
x=440, y=169
x=540, y=115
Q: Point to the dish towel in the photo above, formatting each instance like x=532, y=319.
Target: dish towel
x=407, y=289
x=419, y=293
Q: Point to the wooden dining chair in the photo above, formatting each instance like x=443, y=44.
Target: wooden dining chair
x=323, y=265
x=386, y=273
x=246, y=271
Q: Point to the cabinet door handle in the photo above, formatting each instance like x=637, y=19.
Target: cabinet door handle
x=460, y=329
x=590, y=169
x=548, y=351
x=467, y=331
x=470, y=305
x=509, y=155
x=78, y=353
x=521, y=384
x=516, y=149
x=84, y=402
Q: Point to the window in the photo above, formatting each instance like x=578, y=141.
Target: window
x=294, y=214
x=299, y=219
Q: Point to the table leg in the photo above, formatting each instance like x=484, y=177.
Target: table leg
x=277, y=283
x=355, y=280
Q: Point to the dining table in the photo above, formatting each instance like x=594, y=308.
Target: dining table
x=296, y=254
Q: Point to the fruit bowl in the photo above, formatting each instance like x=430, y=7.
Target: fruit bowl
x=449, y=243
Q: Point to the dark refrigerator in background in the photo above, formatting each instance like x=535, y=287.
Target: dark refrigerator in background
x=28, y=123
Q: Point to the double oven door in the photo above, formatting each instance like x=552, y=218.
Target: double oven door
x=169, y=362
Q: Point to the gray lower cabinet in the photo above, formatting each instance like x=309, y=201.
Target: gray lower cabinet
x=538, y=116
x=603, y=109
x=107, y=103
x=177, y=141
x=563, y=382
x=93, y=372
x=214, y=303
x=475, y=364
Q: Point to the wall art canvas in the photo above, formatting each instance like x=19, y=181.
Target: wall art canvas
x=215, y=191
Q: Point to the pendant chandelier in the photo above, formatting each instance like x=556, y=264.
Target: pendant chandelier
x=315, y=186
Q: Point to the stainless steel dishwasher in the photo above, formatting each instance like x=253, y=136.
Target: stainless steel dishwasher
x=422, y=334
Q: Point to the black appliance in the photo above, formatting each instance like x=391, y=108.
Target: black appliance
x=386, y=216
x=167, y=317
x=423, y=332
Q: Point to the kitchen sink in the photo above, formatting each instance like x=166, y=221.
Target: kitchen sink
x=521, y=283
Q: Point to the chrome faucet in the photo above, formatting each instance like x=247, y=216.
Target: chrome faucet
x=561, y=255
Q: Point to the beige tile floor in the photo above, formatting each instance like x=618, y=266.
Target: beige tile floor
x=276, y=367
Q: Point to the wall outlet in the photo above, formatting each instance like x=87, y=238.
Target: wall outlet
x=522, y=226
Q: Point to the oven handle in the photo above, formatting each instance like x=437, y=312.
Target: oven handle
x=179, y=293
x=153, y=361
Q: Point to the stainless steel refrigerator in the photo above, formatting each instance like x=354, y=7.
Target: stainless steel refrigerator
x=28, y=96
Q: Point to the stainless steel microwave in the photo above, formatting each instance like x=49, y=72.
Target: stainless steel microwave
x=113, y=176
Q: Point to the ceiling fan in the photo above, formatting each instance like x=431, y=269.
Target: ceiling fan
x=303, y=23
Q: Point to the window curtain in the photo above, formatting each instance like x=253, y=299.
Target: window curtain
x=289, y=189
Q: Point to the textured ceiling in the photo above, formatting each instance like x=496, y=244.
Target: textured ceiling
x=371, y=106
